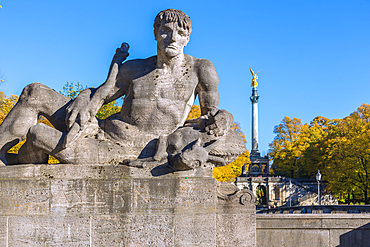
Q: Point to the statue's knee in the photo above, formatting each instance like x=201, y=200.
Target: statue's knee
x=31, y=89
x=32, y=92
x=34, y=132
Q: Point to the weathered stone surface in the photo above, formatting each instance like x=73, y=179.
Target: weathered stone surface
x=21, y=171
x=150, y=230
x=233, y=205
x=154, y=230
x=232, y=231
x=295, y=237
x=78, y=171
x=234, y=201
x=195, y=229
x=151, y=196
x=179, y=195
x=196, y=196
x=119, y=208
x=133, y=230
x=333, y=230
x=272, y=222
x=3, y=231
x=110, y=230
x=347, y=221
x=20, y=196
x=90, y=196
x=49, y=231
x=335, y=235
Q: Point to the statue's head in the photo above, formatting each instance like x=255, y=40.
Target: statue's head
x=173, y=15
x=172, y=29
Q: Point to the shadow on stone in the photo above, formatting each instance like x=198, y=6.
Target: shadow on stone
x=161, y=170
x=359, y=237
x=149, y=149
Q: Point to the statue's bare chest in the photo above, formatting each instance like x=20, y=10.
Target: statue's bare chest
x=158, y=84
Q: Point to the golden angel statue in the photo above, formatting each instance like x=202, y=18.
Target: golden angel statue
x=255, y=77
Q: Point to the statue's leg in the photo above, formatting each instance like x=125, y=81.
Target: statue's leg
x=29, y=153
x=92, y=147
x=43, y=140
x=36, y=99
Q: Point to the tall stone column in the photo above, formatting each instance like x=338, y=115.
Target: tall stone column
x=254, y=100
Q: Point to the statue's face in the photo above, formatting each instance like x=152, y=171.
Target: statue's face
x=171, y=39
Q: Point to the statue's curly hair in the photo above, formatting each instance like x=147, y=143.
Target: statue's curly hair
x=173, y=15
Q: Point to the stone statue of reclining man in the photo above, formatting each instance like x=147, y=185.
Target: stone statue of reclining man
x=159, y=93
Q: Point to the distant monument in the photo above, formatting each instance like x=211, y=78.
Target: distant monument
x=259, y=165
x=150, y=128
x=256, y=176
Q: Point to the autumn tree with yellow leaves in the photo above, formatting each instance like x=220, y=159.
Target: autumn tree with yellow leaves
x=348, y=156
x=287, y=148
x=340, y=148
x=6, y=104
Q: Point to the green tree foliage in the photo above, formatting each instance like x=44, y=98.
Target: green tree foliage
x=234, y=169
x=71, y=90
x=261, y=195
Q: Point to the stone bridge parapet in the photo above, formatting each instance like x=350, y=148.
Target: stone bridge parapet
x=319, y=209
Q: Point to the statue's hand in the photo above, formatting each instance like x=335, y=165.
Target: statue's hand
x=121, y=54
x=200, y=121
x=80, y=110
x=219, y=123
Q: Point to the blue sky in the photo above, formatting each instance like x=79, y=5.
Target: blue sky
x=314, y=55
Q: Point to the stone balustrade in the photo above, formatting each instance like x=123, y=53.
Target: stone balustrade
x=318, y=209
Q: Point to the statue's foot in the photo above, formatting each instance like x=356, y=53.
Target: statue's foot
x=143, y=163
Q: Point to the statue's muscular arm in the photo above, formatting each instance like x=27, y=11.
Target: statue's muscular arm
x=89, y=101
x=207, y=88
x=219, y=121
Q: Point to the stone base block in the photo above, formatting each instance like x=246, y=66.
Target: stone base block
x=94, y=205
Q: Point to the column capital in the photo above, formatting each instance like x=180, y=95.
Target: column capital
x=254, y=98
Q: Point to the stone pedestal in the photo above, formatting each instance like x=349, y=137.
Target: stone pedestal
x=94, y=205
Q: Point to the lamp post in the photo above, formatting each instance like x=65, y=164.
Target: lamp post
x=318, y=179
x=290, y=192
